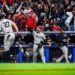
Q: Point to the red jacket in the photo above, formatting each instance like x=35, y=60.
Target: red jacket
x=31, y=22
x=21, y=18
x=10, y=2
x=56, y=28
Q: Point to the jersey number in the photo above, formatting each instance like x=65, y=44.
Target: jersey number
x=6, y=24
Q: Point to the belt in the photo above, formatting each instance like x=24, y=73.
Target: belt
x=7, y=32
x=36, y=44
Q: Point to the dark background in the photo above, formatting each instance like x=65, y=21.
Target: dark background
x=28, y=40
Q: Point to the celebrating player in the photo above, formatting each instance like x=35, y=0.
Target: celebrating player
x=63, y=40
x=39, y=40
x=7, y=27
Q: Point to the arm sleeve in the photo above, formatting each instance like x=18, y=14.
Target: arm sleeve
x=44, y=37
x=19, y=8
x=68, y=20
x=7, y=7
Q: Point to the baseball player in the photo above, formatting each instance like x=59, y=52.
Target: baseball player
x=39, y=39
x=7, y=26
x=63, y=40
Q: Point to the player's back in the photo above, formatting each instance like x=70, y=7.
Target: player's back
x=6, y=25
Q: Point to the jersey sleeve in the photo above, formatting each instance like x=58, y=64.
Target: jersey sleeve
x=43, y=41
x=69, y=18
x=44, y=37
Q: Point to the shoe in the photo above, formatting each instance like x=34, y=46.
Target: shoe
x=57, y=61
x=70, y=56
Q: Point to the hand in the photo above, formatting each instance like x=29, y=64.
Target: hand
x=40, y=45
x=67, y=24
x=4, y=3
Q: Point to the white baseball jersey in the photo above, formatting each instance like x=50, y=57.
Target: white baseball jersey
x=38, y=37
x=6, y=25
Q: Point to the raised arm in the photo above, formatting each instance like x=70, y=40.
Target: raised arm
x=15, y=27
x=6, y=6
x=19, y=7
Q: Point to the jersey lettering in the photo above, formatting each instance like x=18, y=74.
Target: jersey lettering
x=6, y=24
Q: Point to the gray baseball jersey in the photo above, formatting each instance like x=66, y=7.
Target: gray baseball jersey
x=38, y=37
x=6, y=25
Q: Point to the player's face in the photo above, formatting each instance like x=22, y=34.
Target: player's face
x=38, y=29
